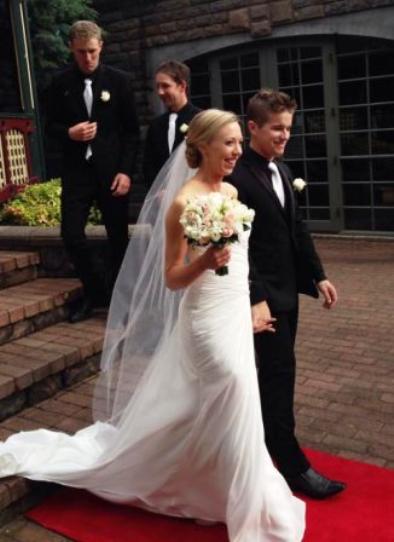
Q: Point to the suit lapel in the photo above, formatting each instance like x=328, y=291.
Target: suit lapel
x=289, y=194
x=97, y=89
x=265, y=181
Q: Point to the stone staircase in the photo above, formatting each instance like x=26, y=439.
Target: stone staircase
x=41, y=357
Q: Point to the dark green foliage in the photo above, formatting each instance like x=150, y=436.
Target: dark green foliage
x=50, y=21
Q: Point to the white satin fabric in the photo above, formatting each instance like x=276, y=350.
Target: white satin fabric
x=191, y=441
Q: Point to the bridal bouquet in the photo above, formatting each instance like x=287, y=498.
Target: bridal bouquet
x=215, y=219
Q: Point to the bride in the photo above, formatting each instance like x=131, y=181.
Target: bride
x=178, y=425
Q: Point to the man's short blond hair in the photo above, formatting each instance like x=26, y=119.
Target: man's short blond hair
x=85, y=30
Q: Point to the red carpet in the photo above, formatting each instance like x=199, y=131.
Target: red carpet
x=363, y=513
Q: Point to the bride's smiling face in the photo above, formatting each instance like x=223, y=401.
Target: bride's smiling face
x=222, y=152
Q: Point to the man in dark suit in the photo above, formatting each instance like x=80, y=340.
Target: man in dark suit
x=168, y=130
x=283, y=263
x=91, y=113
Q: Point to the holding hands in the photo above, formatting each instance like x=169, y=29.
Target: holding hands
x=262, y=319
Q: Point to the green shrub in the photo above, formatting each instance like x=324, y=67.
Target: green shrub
x=38, y=205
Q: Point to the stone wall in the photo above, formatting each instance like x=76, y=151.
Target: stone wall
x=139, y=31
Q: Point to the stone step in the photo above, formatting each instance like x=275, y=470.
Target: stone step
x=34, y=305
x=38, y=366
x=69, y=410
x=17, y=267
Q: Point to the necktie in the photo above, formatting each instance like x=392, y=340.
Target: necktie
x=88, y=97
x=171, y=130
x=277, y=182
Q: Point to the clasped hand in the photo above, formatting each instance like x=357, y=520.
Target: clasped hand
x=83, y=131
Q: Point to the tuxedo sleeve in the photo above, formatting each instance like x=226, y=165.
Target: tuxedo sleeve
x=306, y=253
x=130, y=130
x=56, y=125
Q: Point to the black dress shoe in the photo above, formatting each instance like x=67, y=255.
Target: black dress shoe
x=81, y=311
x=314, y=485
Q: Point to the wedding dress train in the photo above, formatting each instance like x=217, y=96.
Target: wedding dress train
x=191, y=441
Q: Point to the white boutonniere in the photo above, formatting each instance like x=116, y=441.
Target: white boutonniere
x=184, y=128
x=299, y=184
x=105, y=96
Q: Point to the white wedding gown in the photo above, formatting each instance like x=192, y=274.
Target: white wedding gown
x=191, y=443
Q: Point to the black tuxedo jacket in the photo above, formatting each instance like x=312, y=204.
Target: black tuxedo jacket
x=115, y=145
x=283, y=260
x=156, y=144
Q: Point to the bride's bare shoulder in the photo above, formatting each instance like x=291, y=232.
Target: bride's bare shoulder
x=230, y=190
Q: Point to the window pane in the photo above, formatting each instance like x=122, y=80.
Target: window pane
x=355, y=170
x=351, y=67
x=9, y=84
x=382, y=116
x=313, y=97
x=294, y=148
x=250, y=79
x=293, y=93
x=384, y=219
x=316, y=171
x=230, y=81
x=297, y=168
x=383, y=169
x=384, y=194
x=298, y=124
x=314, y=121
x=352, y=93
x=288, y=75
x=382, y=90
x=229, y=63
x=245, y=99
x=232, y=102
x=288, y=53
x=319, y=214
x=199, y=65
x=381, y=62
x=315, y=145
x=354, y=144
x=310, y=52
x=382, y=142
x=357, y=194
x=353, y=118
x=250, y=59
x=318, y=195
x=312, y=72
x=358, y=219
x=203, y=102
x=200, y=84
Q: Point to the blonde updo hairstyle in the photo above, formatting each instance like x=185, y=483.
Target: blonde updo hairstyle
x=202, y=129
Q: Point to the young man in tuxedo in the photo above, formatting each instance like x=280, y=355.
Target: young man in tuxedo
x=283, y=263
x=168, y=130
x=91, y=113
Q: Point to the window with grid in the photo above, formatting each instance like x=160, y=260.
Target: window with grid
x=366, y=125
x=342, y=140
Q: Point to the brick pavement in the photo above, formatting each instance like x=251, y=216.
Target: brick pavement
x=345, y=385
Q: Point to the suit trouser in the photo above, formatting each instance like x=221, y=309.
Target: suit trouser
x=79, y=191
x=276, y=373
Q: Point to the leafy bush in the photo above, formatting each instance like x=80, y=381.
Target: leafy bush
x=38, y=205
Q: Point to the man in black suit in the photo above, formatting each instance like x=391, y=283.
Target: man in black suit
x=168, y=130
x=91, y=113
x=283, y=263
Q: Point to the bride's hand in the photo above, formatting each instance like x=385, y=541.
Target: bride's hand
x=214, y=258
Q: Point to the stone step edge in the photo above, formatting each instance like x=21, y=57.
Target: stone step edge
x=37, y=298
x=15, y=260
x=47, y=361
